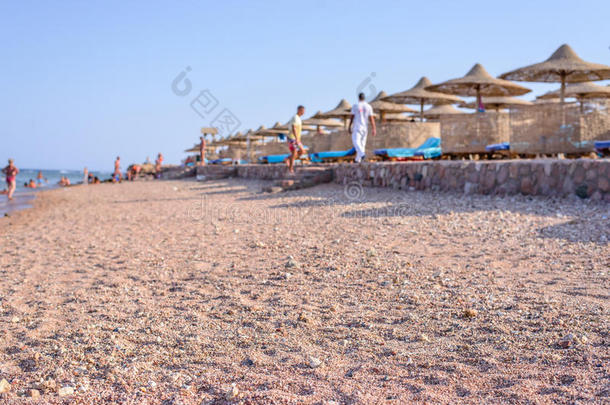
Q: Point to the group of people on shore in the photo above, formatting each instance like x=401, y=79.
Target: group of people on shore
x=11, y=171
x=361, y=117
x=134, y=170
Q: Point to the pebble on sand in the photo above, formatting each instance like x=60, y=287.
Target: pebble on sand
x=5, y=386
x=232, y=392
x=33, y=393
x=314, y=362
x=423, y=338
x=292, y=264
x=65, y=391
x=567, y=341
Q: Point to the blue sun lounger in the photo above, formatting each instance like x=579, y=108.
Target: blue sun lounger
x=332, y=155
x=274, y=159
x=498, y=147
x=430, y=149
x=602, y=148
x=223, y=161
x=271, y=159
x=429, y=153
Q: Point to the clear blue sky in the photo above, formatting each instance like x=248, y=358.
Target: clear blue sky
x=84, y=81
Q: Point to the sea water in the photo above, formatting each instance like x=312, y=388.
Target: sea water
x=23, y=195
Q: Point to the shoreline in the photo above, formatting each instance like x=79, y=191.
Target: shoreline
x=21, y=201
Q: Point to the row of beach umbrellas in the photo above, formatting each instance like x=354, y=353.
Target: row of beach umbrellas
x=564, y=66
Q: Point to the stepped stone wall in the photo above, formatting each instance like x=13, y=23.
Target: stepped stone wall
x=586, y=178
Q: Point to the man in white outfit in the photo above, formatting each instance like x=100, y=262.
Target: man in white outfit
x=362, y=114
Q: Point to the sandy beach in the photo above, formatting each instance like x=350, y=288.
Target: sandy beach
x=178, y=292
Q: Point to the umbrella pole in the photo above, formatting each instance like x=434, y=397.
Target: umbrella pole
x=562, y=97
x=421, y=110
x=563, y=87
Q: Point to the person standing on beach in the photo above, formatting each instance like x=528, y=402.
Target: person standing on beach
x=158, y=165
x=294, y=138
x=202, y=151
x=362, y=114
x=86, y=176
x=117, y=176
x=11, y=172
x=39, y=178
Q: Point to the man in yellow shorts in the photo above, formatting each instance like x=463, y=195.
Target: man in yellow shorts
x=294, y=138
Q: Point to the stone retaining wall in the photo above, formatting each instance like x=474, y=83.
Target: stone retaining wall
x=549, y=177
x=587, y=178
x=263, y=172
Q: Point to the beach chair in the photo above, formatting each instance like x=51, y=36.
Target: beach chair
x=429, y=153
x=333, y=156
x=274, y=159
x=430, y=149
x=500, y=150
x=496, y=147
x=602, y=148
x=223, y=161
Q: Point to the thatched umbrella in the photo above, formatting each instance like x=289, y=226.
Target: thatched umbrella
x=397, y=117
x=580, y=91
x=193, y=149
x=279, y=129
x=209, y=131
x=234, y=140
x=322, y=122
x=225, y=141
x=539, y=100
x=383, y=107
x=420, y=96
x=478, y=83
x=563, y=66
x=438, y=110
x=263, y=132
x=498, y=102
x=342, y=111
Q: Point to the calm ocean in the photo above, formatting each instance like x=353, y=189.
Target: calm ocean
x=23, y=196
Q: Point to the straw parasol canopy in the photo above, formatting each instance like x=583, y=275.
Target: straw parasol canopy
x=278, y=129
x=420, y=96
x=193, y=149
x=397, y=117
x=564, y=66
x=232, y=141
x=260, y=133
x=264, y=132
x=438, y=110
x=342, y=110
x=498, y=102
x=322, y=122
x=209, y=131
x=580, y=91
x=383, y=107
x=477, y=83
